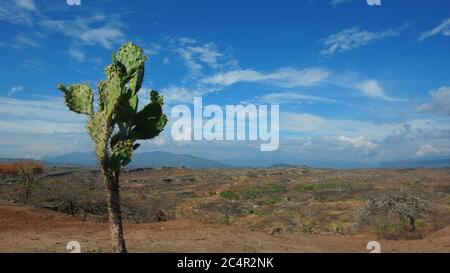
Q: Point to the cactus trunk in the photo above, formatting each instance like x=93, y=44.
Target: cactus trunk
x=114, y=213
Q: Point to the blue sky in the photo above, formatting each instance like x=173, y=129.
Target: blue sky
x=355, y=83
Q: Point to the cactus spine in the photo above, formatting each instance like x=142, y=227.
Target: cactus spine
x=117, y=124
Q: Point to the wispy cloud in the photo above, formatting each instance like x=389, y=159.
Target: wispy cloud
x=77, y=54
x=26, y=4
x=284, y=77
x=353, y=38
x=19, y=12
x=443, y=28
x=291, y=97
x=98, y=30
x=35, y=64
x=372, y=88
x=335, y=3
x=15, y=89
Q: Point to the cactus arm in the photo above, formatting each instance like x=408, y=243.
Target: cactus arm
x=150, y=121
x=79, y=98
x=133, y=59
x=121, y=154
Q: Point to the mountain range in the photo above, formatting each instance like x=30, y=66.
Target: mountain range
x=147, y=159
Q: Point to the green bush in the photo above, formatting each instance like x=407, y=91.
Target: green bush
x=229, y=195
x=320, y=186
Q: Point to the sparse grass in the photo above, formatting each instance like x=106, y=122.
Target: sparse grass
x=269, y=201
x=265, y=190
x=319, y=186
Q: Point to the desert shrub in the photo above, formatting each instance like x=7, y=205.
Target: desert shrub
x=335, y=228
x=72, y=198
x=145, y=209
x=390, y=212
x=229, y=195
x=225, y=220
x=309, y=224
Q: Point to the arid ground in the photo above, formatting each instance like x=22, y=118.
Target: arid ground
x=226, y=210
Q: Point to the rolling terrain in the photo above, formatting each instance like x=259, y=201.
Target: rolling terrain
x=279, y=209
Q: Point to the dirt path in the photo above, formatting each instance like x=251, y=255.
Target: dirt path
x=32, y=230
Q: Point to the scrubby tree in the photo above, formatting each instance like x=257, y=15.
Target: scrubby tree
x=117, y=123
x=29, y=171
x=407, y=205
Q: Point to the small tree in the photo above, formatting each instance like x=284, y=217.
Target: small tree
x=117, y=124
x=406, y=205
x=29, y=171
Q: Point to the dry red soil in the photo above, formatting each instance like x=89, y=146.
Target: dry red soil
x=25, y=229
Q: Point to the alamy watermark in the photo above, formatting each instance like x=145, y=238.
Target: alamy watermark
x=234, y=123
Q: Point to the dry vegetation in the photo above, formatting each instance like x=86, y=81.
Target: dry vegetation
x=384, y=204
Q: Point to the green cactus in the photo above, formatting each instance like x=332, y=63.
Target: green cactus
x=117, y=124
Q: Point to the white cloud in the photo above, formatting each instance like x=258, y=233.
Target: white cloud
x=51, y=110
x=339, y=2
x=197, y=55
x=106, y=35
x=360, y=142
x=290, y=97
x=372, y=88
x=77, y=54
x=38, y=127
x=17, y=12
x=175, y=93
x=15, y=89
x=300, y=122
x=166, y=60
x=23, y=41
x=427, y=150
x=284, y=77
x=26, y=4
x=440, y=103
x=443, y=28
x=353, y=38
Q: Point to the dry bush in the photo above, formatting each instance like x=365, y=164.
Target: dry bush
x=15, y=168
x=392, y=213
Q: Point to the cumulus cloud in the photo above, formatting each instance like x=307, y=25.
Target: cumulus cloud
x=427, y=150
x=440, y=102
x=354, y=38
x=443, y=28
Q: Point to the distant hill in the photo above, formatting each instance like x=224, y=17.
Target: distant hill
x=418, y=163
x=282, y=165
x=140, y=160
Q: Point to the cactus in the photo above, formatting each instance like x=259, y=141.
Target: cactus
x=117, y=124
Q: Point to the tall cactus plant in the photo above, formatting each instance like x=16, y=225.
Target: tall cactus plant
x=117, y=123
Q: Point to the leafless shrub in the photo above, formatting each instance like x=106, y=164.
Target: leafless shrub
x=382, y=210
